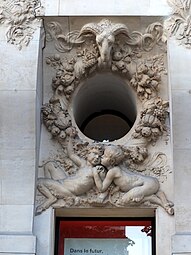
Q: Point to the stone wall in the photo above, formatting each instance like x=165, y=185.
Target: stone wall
x=20, y=92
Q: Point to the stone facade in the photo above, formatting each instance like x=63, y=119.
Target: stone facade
x=41, y=59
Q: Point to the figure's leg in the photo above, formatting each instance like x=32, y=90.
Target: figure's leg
x=102, y=196
x=54, y=171
x=167, y=205
x=114, y=190
x=163, y=198
x=134, y=195
x=154, y=199
x=52, y=190
x=46, y=192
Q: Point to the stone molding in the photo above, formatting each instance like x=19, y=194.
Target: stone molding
x=20, y=16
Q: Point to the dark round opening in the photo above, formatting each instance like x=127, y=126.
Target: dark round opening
x=110, y=125
x=104, y=108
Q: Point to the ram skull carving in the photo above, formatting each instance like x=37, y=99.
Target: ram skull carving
x=105, y=34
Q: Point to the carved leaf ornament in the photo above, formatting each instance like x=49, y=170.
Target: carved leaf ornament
x=85, y=174
x=92, y=56
x=178, y=24
x=20, y=15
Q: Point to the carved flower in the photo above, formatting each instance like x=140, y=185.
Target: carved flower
x=62, y=135
x=67, y=79
x=69, y=90
x=127, y=60
x=20, y=35
x=146, y=131
x=60, y=89
x=138, y=154
x=71, y=131
x=154, y=83
x=156, y=132
x=63, y=121
x=143, y=84
x=59, y=74
x=117, y=56
x=120, y=65
x=114, y=68
x=15, y=33
x=69, y=68
x=57, y=57
x=49, y=123
x=55, y=82
x=55, y=130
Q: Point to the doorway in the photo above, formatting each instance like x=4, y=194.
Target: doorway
x=105, y=236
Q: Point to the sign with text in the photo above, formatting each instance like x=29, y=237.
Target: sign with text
x=95, y=246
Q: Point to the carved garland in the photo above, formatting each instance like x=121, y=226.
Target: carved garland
x=144, y=76
x=20, y=15
x=79, y=177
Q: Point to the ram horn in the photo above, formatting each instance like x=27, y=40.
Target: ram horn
x=120, y=29
x=92, y=28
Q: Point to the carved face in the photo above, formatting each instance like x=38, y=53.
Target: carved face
x=113, y=155
x=107, y=157
x=105, y=43
x=93, y=157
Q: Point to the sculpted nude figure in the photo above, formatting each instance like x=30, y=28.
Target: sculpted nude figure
x=138, y=188
x=71, y=186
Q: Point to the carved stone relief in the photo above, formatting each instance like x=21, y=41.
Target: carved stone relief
x=178, y=24
x=20, y=15
x=88, y=173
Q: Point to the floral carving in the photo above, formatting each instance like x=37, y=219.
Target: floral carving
x=56, y=120
x=20, y=15
x=147, y=78
x=125, y=58
x=152, y=121
x=178, y=24
x=80, y=177
x=70, y=72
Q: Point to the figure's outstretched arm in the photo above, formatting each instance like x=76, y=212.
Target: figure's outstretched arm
x=110, y=176
x=77, y=160
x=54, y=171
x=97, y=178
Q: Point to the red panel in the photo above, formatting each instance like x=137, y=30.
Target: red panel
x=94, y=229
